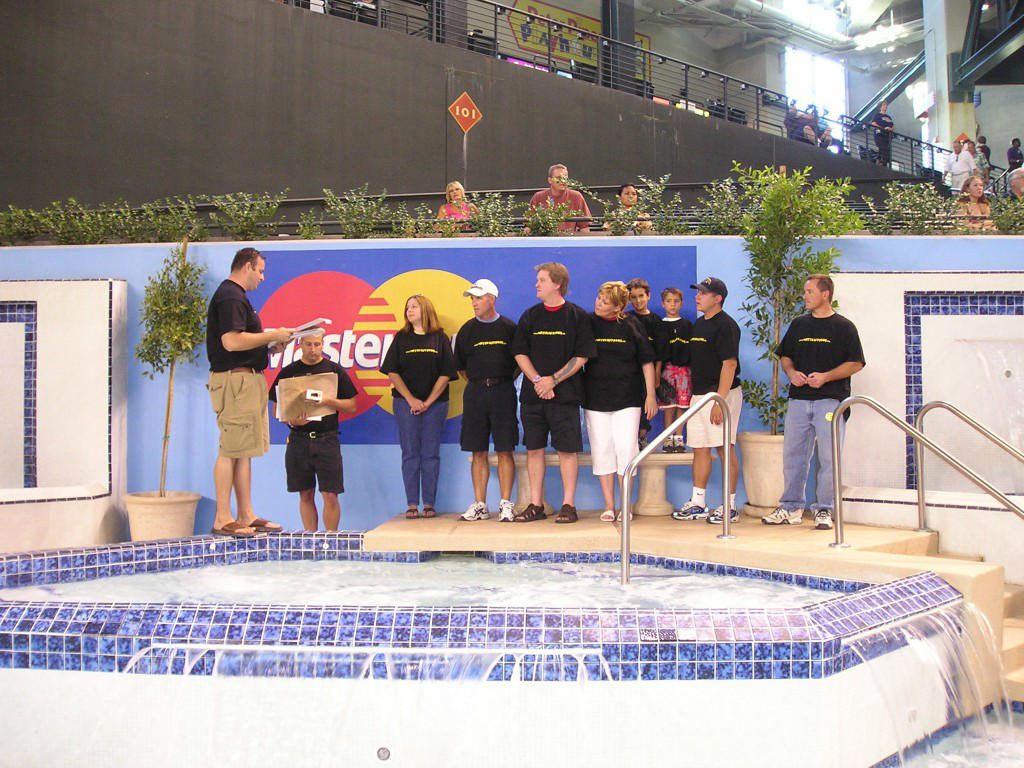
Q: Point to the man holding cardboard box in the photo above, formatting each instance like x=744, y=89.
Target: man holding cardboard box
x=310, y=393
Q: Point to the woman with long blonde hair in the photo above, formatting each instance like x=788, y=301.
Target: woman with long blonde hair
x=420, y=363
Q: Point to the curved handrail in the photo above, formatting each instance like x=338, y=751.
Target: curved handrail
x=917, y=436
x=631, y=468
x=919, y=453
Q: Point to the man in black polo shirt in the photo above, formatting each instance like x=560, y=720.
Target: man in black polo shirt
x=714, y=367
x=483, y=355
x=883, y=126
x=237, y=347
x=553, y=340
x=819, y=353
x=313, y=455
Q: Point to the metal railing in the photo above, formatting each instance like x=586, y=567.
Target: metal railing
x=556, y=47
x=977, y=427
x=919, y=439
x=631, y=468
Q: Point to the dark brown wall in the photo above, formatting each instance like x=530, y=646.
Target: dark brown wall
x=102, y=99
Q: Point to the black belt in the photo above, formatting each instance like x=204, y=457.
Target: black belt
x=492, y=382
x=313, y=435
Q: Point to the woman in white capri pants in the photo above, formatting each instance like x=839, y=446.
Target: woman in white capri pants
x=617, y=385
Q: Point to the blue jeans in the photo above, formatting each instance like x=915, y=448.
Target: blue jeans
x=420, y=438
x=807, y=422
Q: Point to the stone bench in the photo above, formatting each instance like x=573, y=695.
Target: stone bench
x=651, y=498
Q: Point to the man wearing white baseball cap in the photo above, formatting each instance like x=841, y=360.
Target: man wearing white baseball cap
x=483, y=356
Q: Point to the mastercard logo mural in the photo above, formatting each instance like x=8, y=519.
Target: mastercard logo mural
x=364, y=321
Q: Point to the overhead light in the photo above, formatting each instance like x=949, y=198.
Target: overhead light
x=743, y=86
x=703, y=73
x=661, y=59
x=880, y=35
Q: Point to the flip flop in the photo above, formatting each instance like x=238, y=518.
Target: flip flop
x=260, y=525
x=233, y=530
x=412, y=513
x=429, y=512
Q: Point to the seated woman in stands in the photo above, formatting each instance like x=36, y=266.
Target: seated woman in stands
x=456, y=207
x=627, y=197
x=617, y=385
x=974, y=206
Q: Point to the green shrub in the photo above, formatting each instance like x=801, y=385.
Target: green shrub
x=545, y=220
x=309, y=226
x=720, y=210
x=359, y=214
x=173, y=219
x=242, y=216
x=18, y=225
x=70, y=223
x=619, y=220
x=495, y=214
x=1008, y=215
x=912, y=209
x=665, y=213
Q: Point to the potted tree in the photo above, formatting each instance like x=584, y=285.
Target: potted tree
x=783, y=214
x=174, y=320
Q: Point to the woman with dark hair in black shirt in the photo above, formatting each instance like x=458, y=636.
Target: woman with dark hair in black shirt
x=420, y=363
x=617, y=385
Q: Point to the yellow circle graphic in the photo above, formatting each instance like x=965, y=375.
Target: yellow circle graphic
x=444, y=289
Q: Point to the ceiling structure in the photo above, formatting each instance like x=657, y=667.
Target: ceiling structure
x=868, y=35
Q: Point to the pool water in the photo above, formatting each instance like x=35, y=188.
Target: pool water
x=448, y=580
x=997, y=746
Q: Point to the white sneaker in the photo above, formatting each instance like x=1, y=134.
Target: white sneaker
x=715, y=516
x=781, y=516
x=477, y=511
x=823, y=520
x=506, y=511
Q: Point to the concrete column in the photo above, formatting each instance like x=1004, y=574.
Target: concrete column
x=953, y=110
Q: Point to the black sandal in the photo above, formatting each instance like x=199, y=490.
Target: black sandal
x=429, y=512
x=530, y=514
x=567, y=514
x=412, y=513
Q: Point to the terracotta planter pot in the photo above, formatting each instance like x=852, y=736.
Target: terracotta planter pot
x=762, y=471
x=151, y=516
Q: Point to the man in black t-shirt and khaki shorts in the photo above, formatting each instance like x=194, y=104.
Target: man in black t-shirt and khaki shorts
x=714, y=367
x=313, y=455
x=553, y=341
x=819, y=353
x=237, y=347
x=483, y=356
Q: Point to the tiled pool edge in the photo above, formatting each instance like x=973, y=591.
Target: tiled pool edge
x=804, y=643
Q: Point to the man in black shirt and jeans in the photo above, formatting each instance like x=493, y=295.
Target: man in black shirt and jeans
x=714, y=367
x=237, y=347
x=553, y=341
x=483, y=355
x=819, y=353
x=313, y=455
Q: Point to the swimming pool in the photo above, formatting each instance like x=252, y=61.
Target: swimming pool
x=612, y=672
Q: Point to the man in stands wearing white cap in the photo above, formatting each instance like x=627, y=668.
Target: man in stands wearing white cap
x=483, y=356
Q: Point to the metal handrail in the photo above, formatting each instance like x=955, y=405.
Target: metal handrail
x=631, y=468
x=917, y=436
x=919, y=453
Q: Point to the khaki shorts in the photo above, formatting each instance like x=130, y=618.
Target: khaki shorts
x=239, y=399
x=701, y=433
